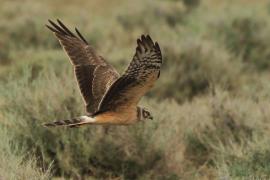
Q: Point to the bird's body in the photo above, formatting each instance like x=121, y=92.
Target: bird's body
x=109, y=98
x=127, y=116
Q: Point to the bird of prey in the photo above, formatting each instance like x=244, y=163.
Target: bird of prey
x=110, y=99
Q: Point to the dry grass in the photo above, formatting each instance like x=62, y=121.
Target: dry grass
x=210, y=104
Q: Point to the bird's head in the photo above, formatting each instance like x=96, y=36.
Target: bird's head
x=144, y=114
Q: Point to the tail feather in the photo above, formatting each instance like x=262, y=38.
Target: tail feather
x=74, y=122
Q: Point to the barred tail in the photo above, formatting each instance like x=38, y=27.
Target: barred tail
x=75, y=122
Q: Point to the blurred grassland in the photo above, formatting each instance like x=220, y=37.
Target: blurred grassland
x=210, y=104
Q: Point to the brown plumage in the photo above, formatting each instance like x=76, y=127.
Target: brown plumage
x=109, y=97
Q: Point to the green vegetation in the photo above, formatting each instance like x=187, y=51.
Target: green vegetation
x=210, y=104
x=15, y=165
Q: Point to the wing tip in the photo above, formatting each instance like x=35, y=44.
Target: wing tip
x=143, y=38
x=50, y=28
x=149, y=39
x=146, y=42
x=157, y=45
x=61, y=29
x=139, y=41
x=50, y=21
x=59, y=21
x=80, y=35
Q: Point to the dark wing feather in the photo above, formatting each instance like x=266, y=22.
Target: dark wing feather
x=90, y=68
x=139, y=77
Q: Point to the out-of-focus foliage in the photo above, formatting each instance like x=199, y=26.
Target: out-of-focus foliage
x=210, y=104
x=17, y=165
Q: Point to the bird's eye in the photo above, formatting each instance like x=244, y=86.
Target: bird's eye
x=145, y=113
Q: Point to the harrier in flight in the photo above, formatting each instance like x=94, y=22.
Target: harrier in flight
x=109, y=98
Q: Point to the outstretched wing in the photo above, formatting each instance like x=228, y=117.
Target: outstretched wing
x=139, y=77
x=94, y=75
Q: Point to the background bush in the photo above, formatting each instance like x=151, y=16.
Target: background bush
x=210, y=105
